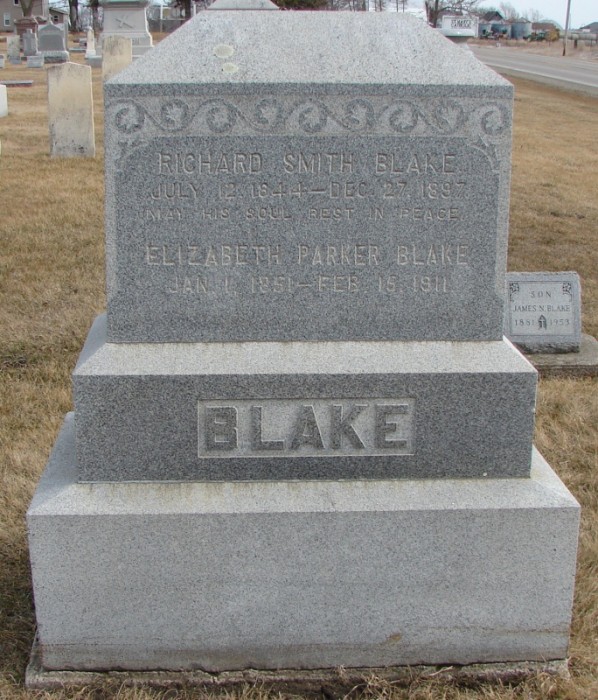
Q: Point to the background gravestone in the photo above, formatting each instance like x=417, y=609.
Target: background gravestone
x=117, y=53
x=30, y=43
x=3, y=101
x=51, y=43
x=35, y=61
x=13, y=48
x=70, y=111
x=90, y=48
x=309, y=443
x=127, y=19
x=543, y=311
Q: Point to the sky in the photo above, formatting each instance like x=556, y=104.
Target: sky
x=582, y=11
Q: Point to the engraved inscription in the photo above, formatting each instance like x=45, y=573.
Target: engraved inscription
x=307, y=427
x=541, y=308
x=274, y=196
x=225, y=230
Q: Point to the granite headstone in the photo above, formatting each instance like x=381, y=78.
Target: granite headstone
x=301, y=418
x=303, y=211
x=372, y=212
x=543, y=313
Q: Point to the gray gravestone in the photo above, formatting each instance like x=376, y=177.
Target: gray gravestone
x=51, y=43
x=29, y=43
x=365, y=212
x=35, y=61
x=300, y=416
x=543, y=313
x=311, y=212
x=13, y=48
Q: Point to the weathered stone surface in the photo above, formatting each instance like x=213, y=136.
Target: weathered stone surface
x=13, y=48
x=70, y=111
x=117, y=54
x=300, y=575
x=543, y=311
x=209, y=411
x=259, y=198
x=3, y=101
x=2, y=57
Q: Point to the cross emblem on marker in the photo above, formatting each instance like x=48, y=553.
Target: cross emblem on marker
x=122, y=22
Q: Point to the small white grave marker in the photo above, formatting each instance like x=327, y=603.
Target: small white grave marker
x=3, y=101
x=90, y=49
x=70, y=111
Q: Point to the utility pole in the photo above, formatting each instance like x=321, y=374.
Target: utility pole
x=567, y=27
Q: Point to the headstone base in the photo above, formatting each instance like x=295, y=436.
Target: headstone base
x=55, y=56
x=569, y=364
x=341, y=680
x=270, y=575
x=461, y=410
x=35, y=61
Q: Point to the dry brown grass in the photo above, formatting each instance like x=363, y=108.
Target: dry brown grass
x=51, y=287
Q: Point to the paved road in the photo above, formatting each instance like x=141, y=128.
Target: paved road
x=567, y=73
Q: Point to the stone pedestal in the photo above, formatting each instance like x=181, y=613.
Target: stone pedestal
x=223, y=576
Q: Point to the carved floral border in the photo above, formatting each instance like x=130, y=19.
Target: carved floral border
x=132, y=120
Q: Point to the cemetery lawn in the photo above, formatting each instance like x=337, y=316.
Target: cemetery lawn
x=52, y=286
